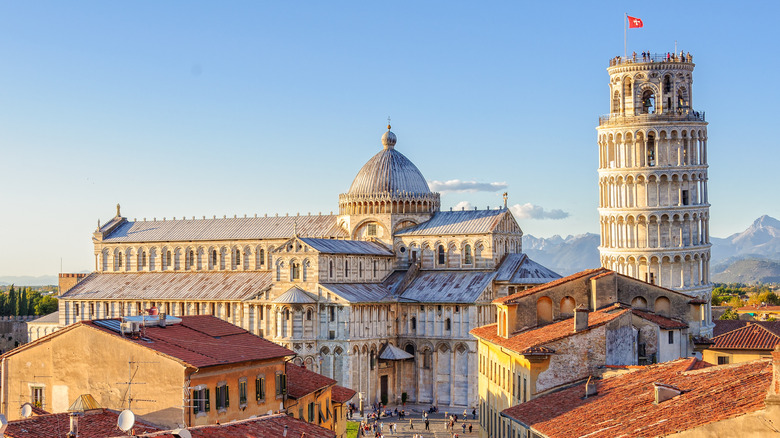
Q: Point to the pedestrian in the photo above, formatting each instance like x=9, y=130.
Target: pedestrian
x=465, y=414
x=469, y=427
x=464, y=428
x=411, y=425
x=474, y=414
x=427, y=424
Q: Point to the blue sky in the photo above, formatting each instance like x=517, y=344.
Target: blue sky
x=210, y=108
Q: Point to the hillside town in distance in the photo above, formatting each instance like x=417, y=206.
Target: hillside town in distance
x=393, y=317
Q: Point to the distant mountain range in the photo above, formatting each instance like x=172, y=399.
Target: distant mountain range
x=26, y=280
x=748, y=257
x=564, y=255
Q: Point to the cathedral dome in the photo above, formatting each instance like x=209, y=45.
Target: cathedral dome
x=389, y=171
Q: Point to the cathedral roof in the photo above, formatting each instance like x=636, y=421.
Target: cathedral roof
x=226, y=229
x=389, y=171
x=294, y=295
x=336, y=246
x=457, y=222
x=360, y=292
x=447, y=286
x=520, y=269
x=155, y=286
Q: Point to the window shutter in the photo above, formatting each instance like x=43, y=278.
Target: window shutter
x=227, y=398
x=284, y=383
x=208, y=399
x=257, y=389
x=195, y=401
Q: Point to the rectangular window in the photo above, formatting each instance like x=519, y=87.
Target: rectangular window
x=222, y=397
x=242, y=392
x=37, y=396
x=371, y=229
x=332, y=313
x=310, y=416
x=723, y=360
x=281, y=384
x=200, y=400
x=260, y=388
x=684, y=197
x=671, y=337
x=76, y=309
x=331, y=334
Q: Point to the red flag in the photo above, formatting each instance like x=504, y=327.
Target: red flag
x=634, y=22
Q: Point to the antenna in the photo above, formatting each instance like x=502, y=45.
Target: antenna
x=130, y=384
x=126, y=420
x=26, y=410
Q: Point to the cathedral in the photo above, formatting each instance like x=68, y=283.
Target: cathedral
x=380, y=296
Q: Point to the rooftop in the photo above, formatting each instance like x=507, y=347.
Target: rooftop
x=520, y=269
x=340, y=394
x=623, y=405
x=301, y=381
x=748, y=337
x=337, y=246
x=246, y=228
x=582, y=275
x=445, y=286
x=200, y=341
x=156, y=286
x=526, y=341
x=267, y=426
x=98, y=423
x=662, y=321
x=726, y=325
x=457, y=223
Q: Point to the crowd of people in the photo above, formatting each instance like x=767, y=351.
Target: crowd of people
x=373, y=424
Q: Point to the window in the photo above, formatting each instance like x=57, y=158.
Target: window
x=441, y=254
x=260, y=388
x=723, y=360
x=427, y=359
x=213, y=261
x=330, y=270
x=332, y=313
x=457, y=309
x=167, y=259
x=37, y=396
x=331, y=334
x=213, y=309
x=190, y=258
x=360, y=269
x=237, y=256
x=684, y=197
x=671, y=337
x=261, y=257
x=308, y=315
x=228, y=306
x=91, y=309
x=281, y=384
x=143, y=259
x=467, y=258
x=222, y=397
x=374, y=272
x=295, y=271
x=650, y=150
x=105, y=310
x=242, y=392
x=373, y=360
x=371, y=230
x=310, y=416
x=414, y=323
x=200, y=400
x=346, y=268
x=447, y=324
x=119, y=261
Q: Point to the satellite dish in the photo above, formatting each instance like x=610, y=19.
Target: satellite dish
x=126, y=420
x=26, y=410
x=181, y=433
x=3, y=424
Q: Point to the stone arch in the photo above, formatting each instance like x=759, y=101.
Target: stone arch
x=639, y=302
x=568, y=304
x=662, y=306
x=544, y=310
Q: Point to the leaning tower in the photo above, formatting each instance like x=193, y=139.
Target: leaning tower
x=653, y=205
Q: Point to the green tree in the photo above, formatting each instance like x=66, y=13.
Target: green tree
x=46, y=305
x=12, y=297
x=730, y=313
x=735, y=301
x=21, y=305
x=766, y=296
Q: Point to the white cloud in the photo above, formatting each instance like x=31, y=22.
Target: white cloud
x=456, y=185
x=463, y=205
x=530, y=211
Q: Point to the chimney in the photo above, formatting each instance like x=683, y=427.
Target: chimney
x=581, y=318
x=664, y=392
x=161, y=320
x=773, y=395
x=74, y=425
x=590, y=388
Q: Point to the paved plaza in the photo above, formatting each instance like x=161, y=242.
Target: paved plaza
x=437, y=423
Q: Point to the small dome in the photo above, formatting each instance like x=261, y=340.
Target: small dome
x=389, y=139
x=389, y=171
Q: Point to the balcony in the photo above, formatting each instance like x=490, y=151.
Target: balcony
x=672, y=116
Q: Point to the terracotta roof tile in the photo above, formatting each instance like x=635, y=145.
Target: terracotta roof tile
x=301, y=381
x=662, y=321
x=99, y=423
x=203, y=341
x=624, y=405
x=758, y=308
x=749, y=337
x=727, y=325
x=268, y=426
x=340, y=394
x=509, y=298
x=538, y=337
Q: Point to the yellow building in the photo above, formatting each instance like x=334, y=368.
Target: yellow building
x=191, y=370
x=749, y=342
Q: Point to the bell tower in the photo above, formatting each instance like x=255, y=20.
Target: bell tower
x=653, y=207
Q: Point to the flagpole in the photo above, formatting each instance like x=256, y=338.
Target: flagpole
x=625, y=38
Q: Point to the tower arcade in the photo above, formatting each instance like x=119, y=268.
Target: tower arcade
x=653, y=206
